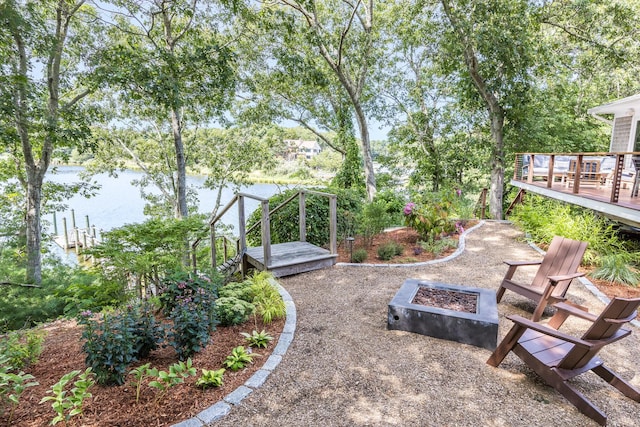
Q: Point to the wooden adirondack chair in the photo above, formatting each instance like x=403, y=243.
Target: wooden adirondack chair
x=558, y=357
x=557, y=269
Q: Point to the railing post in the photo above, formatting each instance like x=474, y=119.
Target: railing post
x=242, y=230
x=333, y=224
x=266, y=234
x=214, y=254
x=617, y=178
x=550, y=171
x=576, y=180
x=530, y=174
x=302, y=206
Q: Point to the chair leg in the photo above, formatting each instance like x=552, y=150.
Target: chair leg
x=537, y=313
x=500, y=293
x=582, y=403
x=506, y=345
x=612, y=378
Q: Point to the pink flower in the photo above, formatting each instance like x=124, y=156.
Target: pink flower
x=408, y=208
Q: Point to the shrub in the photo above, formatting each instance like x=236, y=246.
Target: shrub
x=191, y=328
x=182, y=286
x=359, y=255
x=431, y=217
x=389, y=249
x=285, y=222
x=372, y=220
x=233, y=311
x=110, y=345
x=22, y=348
x=240, y=290
x=114, y=341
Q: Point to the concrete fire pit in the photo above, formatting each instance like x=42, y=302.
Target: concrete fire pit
x=479, y=328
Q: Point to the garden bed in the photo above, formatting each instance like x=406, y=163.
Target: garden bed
x=405, y=236
x=116, y=405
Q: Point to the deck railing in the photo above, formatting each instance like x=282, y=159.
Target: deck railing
x=609, y=171
x=264, y=223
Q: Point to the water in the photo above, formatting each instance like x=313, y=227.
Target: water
x=118, y=202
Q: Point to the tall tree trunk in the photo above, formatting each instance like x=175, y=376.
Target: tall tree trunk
x=181, y=172
x=369, y=173
x=497, y=163
x=33, y=229
x=496, y=113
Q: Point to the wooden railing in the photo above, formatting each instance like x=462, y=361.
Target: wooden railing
x=583, y=168
x=264, y=223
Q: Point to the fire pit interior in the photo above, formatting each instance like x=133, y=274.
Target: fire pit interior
x=457, y=313
x=444, y=298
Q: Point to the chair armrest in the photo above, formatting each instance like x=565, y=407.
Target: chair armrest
x=519, y=263
x=565, y=277
x=575, y=311
x=544, y=329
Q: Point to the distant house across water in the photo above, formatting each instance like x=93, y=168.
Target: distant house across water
x=298, y=148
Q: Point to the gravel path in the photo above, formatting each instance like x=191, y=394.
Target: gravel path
x=344, y=368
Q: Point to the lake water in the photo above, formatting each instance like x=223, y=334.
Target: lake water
x=118, y=202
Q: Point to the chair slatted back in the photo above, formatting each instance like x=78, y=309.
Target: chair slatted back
x=606, y=328
x=563, y=257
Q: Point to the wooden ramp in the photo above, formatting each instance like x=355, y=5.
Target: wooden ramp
x=291, y=258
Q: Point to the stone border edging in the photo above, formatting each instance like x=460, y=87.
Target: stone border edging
x=458, y=252
x=583, y=280
x=224, y=406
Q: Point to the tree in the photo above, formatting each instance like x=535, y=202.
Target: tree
x=343, y=34
x=46, y=48
x=495, y=41
x=171, y=67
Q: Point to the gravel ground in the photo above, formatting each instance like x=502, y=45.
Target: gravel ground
x=344, y=368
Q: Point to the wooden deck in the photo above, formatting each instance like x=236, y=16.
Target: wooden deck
x=597, y=198
x=291, y=258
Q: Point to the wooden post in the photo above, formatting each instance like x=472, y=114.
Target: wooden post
x=550, y=170
x=576, y=180
x=77, y=238
x=66, y=233
x=86, y=218
x=302, y=207
x=242, y=226
x=266, y=234
x=333, y=224
x=73, y=219
x=55, y=225
x=84, y=240
x=212, y=228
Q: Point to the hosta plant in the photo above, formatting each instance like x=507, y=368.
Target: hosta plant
x=257, y=339
x=211, y=378
x=238, y=359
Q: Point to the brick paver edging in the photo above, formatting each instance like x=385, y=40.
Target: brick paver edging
x=224, y=406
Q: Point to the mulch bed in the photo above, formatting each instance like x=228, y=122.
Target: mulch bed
x=116, y=405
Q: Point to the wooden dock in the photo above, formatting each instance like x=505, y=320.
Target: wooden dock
x=291, y=258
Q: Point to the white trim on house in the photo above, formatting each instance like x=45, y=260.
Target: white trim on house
x=626, y=117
